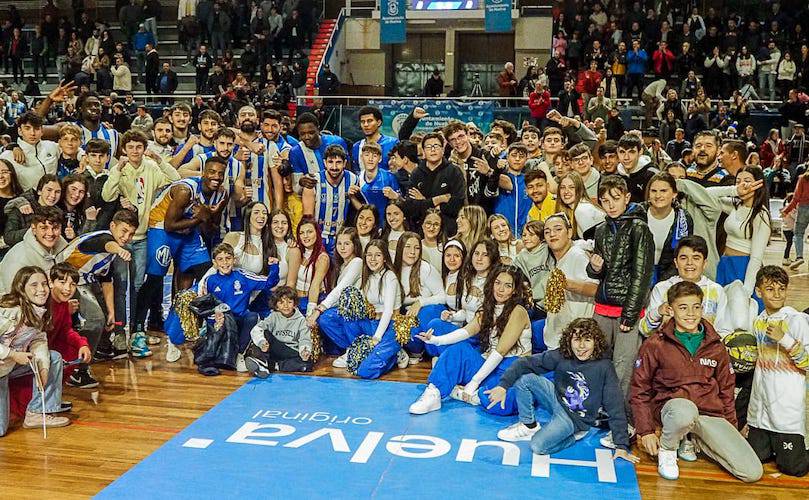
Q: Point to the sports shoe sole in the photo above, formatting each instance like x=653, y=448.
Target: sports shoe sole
x=91, y=385
x=255, y=368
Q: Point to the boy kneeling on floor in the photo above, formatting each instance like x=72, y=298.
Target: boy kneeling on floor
x=282, y=341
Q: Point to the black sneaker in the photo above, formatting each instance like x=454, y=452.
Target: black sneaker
x=66, y=406
x=257, y=367
x=110, y=353
x=82, y=379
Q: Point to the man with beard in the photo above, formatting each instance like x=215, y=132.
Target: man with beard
x=478, y=166
x=370, y=121
x=307, y=158
x=180, y=118
x=732, y=156
x=271, y=128
x=178, y=218
x=209, y=123
x=329, y=200
x=257, y=176
x=163, y=143
x=706, y=169
x=224, y=142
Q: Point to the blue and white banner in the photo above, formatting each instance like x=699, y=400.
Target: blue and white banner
x=498, y=16
x=393, y=25
x=439, y=113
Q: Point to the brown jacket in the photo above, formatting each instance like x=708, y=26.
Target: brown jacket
x=665, y=370
x=507, y=89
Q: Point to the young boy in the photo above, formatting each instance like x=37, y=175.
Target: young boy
x=683, y=382
x=377, y=185
x=535, y=261
x=283, y=338
x=578, y=363
x=69, y=143
x=92, y=254
x=624, y=276
x=690, y=259
x=581, y=161
x=234, y=287
x=536, y=187
x=635, y=166
x=62, y=337
x=93, y=168
x=777, y=411
x=513, y=201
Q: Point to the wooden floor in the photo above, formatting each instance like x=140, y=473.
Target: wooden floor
x=141, y=405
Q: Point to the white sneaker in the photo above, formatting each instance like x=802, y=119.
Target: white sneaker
x=667, y=464
x=687, y=450
x=430, y=400
x=607, y=441
x=517, y=432
x=795, y=265
x=173, y=352
x=340, y=362
x=457, y=393
x=415, y=359
x=786, y=262
x=240, y=366
x=402, y=359
x=34, y=420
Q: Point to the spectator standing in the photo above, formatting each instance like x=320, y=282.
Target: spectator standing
x=507, y=82
x=568, y=104
x=434, y=86
x=663, y=59
x=16, y=50
x=769, y=57
x=785, y=74
x=152, y=68
x=327, y=82
x=555, y=68
x=203, y=63
x=539, y=102
x=636, y=61
x=141, y=42
x=151, y=14
x=130, y=17
x=219, y=26
x=745, y=66
x=121, y=76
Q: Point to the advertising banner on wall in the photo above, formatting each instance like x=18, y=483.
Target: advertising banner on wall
x=498, y=16
x=439, y=113
x=393, y=25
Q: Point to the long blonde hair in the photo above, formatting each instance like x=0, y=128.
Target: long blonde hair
x=580, y=195
x=477, y=224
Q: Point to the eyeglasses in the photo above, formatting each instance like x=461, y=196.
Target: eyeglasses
x=432, y=147
x=581, y=158
x=432, y=224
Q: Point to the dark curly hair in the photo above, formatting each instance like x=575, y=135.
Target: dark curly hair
x=583, y=327
x=521, y=297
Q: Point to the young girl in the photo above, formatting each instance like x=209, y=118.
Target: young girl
x=577, y=366
x=395, y=225
x=79, y=218
x=422, y=287
x=367, y=225
x=471, y=222
x=668, y=222
x=432, y=243
x=535, y=261
x=381, y=288
x=573, y=201
x=348, y=257
x=9, y=189
x=312, y=277
x=500, y=232
x=24, y=318
x=468, y=292
x=788, y=229
x=289, y=253
x=503, y=329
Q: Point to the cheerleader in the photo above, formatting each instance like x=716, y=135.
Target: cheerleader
x=668, y=222
x=501, y=233
x=468, y=292
x=395, y=225
x=573, y=201
x=288, y=252
x=348, y=257
x=314, y=268
x=423, y=289
x=471, y=224
x=367, y=225
x=469, y=372
x=432, y=243
x=381, y=288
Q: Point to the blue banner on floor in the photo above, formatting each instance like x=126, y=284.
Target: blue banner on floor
x=316, y=437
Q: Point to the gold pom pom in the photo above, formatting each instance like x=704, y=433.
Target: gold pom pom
x=555, y=291
x=188, y=320
x=402, y=324
x=353, y=306
x=317, y=344
x=357, y=352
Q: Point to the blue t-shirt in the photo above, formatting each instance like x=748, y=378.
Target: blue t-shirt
x=386, y=142
x=372, y=191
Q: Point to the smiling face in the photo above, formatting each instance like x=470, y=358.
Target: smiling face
x=46, y=233
x=63, y=289
x=503, y=288
x=773, y=294
x=74, y=193
x=481, y=260
x=395, y=217
x=213, y=175
x=582, y=164
x=464, y=227
x=687, y=313
x=374, y=258
x=411, y=253
x=661, y=195
x=582, y=346
x=69, y=144
x=134, y=151
x=279, y=227
x=223, y=262
x=50, y=194
x=453, y=258
x=180, y=119
x=431, y=227
x=91, y=109
x=537, y=190
x=745, y=179
x=690, y=264
x=705, y=151
x=557, y=234
x=459, y=141
x=308, y=235
x=208, y=128
x=309, y=135
x=271, y=128
x=501, y=233
x=366, y=220
x=258, y=218
x=433, y=150
x=37, y=290
x=567, y=191
x=5, y=176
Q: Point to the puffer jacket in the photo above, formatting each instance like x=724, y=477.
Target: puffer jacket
x=627, y=247
x=14, y=337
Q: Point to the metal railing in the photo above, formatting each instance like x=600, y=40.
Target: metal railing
x=330, y=45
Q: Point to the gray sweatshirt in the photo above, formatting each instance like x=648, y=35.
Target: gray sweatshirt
x=293, y=331
x=537, y=266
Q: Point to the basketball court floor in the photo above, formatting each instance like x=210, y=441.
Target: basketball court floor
x=160, y=430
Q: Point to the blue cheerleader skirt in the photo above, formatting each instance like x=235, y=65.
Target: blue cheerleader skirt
x=732, y=268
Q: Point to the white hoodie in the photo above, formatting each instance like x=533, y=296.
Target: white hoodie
x=28, y=252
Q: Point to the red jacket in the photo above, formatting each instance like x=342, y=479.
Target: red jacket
x=666, y=370
x=591, y=81
x=663, y=62
x=539, y=104
x=767, y=154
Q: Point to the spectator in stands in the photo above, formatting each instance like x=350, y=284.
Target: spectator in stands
x=714, y=74
x=328, y=83
x=142, y=40
x=39, y=54
x=539, y=102
x=152, y=68
x=694, y=122
x=166, y=83
x=122, y=77
x=17, y=49
x=746, y=66
x=599, y=106
x=590, y=82
x=772, y=151
x=568, y=103
x=203, y=63
x=675, y=147
x=555, y=68
x=293, y=29
x=636, y=61
x=507, y=82
x=663, y=59
x=130, y=17
x=219, y=26
x=769, y=57
x=143, y=120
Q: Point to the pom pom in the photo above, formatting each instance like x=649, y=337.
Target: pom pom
x=317, y=344
x=357, y=352
x=188, y=320
x=555, y=291
x=352, y=305
x=402, y=324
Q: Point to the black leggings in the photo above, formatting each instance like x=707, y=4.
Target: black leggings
x=789, y=236
x=153, y=287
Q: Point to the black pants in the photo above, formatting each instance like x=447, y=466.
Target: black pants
x=744, y=381
x=202, y=81
x=791, y=455
x=633, y=81
x=788, y=235
x=40, y=63
x=286, y=358
x=16, y=68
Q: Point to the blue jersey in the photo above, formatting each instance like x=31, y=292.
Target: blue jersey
x=386, y=142
x=289, y=140
x=196, y=149
x=234, y=289
x=108, y=134
x=372, y=191
x=514, y=204
x=332, y=203
x=303, y=165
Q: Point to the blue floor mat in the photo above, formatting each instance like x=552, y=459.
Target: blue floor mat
x=297, y=437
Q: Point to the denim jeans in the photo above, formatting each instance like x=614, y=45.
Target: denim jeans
x=151, y=25
x=53, y=390
x=801, y=222
x=534, y=391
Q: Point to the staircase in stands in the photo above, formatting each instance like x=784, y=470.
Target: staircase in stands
x=318, y=52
